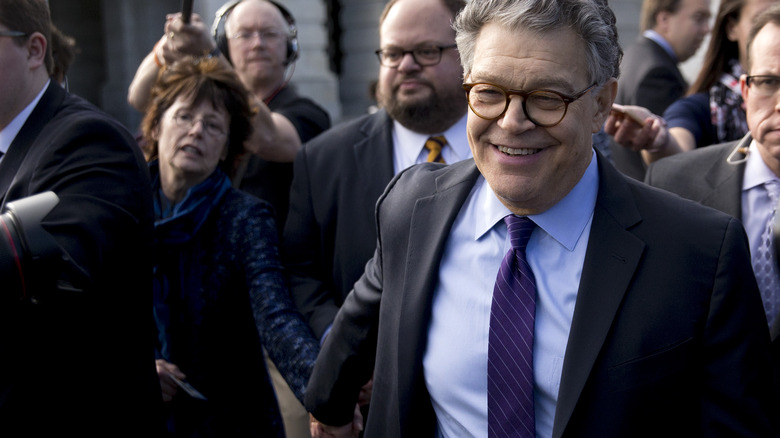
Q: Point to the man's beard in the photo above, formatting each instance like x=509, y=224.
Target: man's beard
x=433, y=114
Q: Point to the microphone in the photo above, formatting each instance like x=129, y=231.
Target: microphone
x=186, y=10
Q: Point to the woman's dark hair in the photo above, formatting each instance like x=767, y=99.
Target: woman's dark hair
x=720, y=50
x=201, y=80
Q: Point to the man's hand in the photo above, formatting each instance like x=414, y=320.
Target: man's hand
x=638, y=129
x=190, y=39
x=350, y=430
x=165, y=370
x=365, y=393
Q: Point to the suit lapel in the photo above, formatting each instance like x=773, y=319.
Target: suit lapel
x=374, y=155
x=427, y=240
x=725, y=179
x=43, y=113
x=612, y=256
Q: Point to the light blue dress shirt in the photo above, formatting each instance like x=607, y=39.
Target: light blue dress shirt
x=455, y=361
x=9, y=132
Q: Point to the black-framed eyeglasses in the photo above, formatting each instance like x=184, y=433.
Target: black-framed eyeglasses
x=424, y=56
x=210, y=127
x=543, y=107
x=12, y=33
x=268, y=36
x=763, y=85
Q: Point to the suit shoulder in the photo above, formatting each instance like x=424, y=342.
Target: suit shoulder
x=701, y=155
x=77, y=108
x=348, y=131
x=642, y=51
x=425, y=179
x=677, y=211
x=77, y=117
x=688, y=165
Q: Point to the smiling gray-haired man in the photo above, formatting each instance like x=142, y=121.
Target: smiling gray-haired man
x=536, y=291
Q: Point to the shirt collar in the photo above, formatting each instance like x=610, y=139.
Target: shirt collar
x=661, y=41
x=564, y=221
x=756, y=171
x=9, y=133
x=411, y=143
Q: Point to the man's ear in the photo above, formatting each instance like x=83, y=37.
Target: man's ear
x=662, y=22
x=36, y=49
x=604, y=99
x=743, y=87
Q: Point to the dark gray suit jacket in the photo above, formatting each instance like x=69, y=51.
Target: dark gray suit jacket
x=330, y=232
x=666, y=338
x=649, y=77
x=704, y=176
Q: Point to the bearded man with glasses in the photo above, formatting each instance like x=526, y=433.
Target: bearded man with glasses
x=339, y=176
x=535, y=291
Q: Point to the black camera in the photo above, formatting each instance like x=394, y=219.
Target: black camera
x=26, y=249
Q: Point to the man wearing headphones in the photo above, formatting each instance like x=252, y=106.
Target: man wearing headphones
x=259, y=38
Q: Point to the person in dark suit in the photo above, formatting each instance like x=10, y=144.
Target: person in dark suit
x=338, y=176
x=77, y=335
x=738, y=177
x=672, y=31
x=644, y=315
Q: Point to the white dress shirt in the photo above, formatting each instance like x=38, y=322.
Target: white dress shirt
x=9, y=133
x=455, y=361
x=409, y=146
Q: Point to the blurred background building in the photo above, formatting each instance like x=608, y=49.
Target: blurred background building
x=337, y=40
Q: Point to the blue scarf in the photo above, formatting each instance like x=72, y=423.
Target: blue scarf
x=176, y=224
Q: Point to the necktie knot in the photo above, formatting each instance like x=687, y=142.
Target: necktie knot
x=520, y=229
x=434, y=146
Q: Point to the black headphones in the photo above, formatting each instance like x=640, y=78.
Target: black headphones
x=218, y=30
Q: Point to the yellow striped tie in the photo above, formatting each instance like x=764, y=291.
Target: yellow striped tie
x=434, y=145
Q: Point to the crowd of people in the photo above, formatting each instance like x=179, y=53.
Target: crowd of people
x=535, y=234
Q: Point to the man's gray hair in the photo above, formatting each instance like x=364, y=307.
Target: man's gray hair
x=592, y=20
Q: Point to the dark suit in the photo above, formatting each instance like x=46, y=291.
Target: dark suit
x=649, y=77
x=330, y=232
x=666, y=338
x=268, y=180
x=704, y=176
x=77, y=350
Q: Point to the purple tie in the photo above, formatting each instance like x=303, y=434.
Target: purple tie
x=511, y=340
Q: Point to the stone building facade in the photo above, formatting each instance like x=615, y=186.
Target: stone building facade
x=337, y=40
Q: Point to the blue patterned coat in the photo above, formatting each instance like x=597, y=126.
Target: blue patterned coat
x=224, y=295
